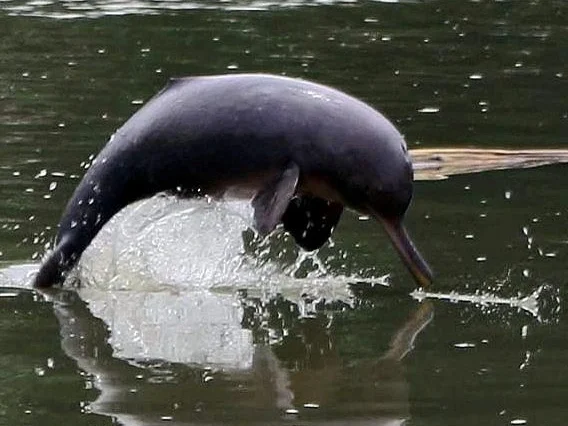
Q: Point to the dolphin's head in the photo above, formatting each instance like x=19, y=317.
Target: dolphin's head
x=380, y=183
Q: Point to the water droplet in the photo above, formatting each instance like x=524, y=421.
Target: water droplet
x=518, y=422
x=42, y=173
x=524, y=331
x=311, y=405
x=52, y=186
x=73, y=223
x=429, y=110
x=233, y=67
x=469, y=237
x=292, y=411
x=476, y=76
x=137, y=102
x=508, y=195
x=481, y=259
x=15, y=173
x=464, y=345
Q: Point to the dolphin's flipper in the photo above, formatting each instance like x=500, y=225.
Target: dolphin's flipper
x=271, y=202
x=311, y=220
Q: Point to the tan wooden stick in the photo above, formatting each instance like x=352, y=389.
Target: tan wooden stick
x=440, y=163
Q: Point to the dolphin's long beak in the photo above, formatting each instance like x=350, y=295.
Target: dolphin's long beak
x=407, y=251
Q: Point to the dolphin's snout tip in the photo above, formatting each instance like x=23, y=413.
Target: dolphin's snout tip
x=408, y=252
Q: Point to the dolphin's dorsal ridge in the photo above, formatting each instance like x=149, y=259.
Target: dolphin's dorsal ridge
x=311, y=220
x=271, y=201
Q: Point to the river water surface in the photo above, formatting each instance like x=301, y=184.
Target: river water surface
x=184, y=317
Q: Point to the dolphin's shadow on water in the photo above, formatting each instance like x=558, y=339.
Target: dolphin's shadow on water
x=231, y=359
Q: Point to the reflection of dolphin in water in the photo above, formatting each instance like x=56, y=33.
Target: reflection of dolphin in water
x=140, y=391
x=302, y=150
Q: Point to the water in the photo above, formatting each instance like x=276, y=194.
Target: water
x=185, y=318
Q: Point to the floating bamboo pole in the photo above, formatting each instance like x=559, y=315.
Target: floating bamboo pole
x=440, y=163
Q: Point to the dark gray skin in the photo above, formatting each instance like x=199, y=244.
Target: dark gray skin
x=302, y=149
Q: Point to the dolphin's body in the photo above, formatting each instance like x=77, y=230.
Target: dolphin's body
x=301, y=149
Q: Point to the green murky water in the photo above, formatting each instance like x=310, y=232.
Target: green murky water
x=163, y=337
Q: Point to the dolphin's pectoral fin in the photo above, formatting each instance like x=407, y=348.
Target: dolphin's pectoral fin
x=311, y=220
x=271, y=201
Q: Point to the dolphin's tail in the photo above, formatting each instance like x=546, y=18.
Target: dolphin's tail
x=104, y=190
x=54, y=266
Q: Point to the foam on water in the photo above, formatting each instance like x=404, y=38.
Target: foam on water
x=188, y=245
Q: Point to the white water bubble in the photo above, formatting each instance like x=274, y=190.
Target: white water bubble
x=42, y=173
x=464, y=345
x=429, y=110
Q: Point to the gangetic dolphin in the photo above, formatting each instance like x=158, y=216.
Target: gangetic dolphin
x=300, y=149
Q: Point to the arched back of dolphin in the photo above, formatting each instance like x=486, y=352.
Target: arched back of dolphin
x=303, y=150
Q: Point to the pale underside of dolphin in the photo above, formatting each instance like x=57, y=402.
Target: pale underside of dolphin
x=302, y=151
